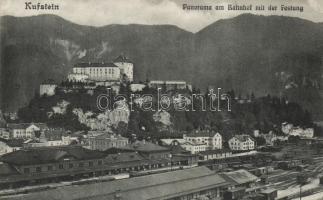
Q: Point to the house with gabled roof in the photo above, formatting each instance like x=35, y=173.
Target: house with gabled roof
x=212, y=139
x=241, y=143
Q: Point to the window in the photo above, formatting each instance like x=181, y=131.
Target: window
x=90, y=163
x=38, y=169
x=61, y=166
x=49, y=168
x=81, y=164
x=26, y=170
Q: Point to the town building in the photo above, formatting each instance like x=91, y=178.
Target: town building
x=52, y=137
x=7, y=146
x=4, y=133
x=70, y=139
x=241, y=178
x=291, y=130
x=39, y=163
x=194, y=147
x=32, y=143
x=197, y=141
x=58, y=137
x=102, y=140
x=193, y=183
x=47, y=164
x=302, y=132
x=150, y=150
x=136, y=87
x=47, y=88
x=234, y=193
x=182, y=157
x=78, y=77
x=169, y=85
x=215, y=154
x=241, y=143
x=269, y=194
x=172, y=142
x=212, y=139
x=25, y=130
x=286, y=127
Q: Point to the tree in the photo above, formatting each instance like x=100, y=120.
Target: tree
x=260, y=141
x=293, y=139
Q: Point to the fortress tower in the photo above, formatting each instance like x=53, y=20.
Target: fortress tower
x=125, y=66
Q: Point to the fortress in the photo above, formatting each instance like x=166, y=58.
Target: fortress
x=108, y=74
x=120, y=69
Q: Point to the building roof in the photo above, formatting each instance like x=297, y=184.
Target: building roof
x=193, y=143
x=240, y=176
x=6, y=170
x=169, y=82
x=215, y=151
x=243, y=138
x=108, y=136
x=122, y=59
x=42, y=155
x=268, y=191
x=157, y=186
x=144, y=146
x=54, y=134
x=237, y=189
x=96, y=133
x=25, y=125
x=170, y=141
x=177, y=149
x=48, y=82
x=13, y=142
x=94, y=64
x=114, y=150
x=123, y=157
x=204, y=133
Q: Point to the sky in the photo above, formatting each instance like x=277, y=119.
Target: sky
x=105, y=12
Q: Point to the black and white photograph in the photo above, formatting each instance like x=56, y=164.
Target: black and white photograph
x=161, y=99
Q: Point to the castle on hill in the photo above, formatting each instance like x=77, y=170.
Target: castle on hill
x=120, y=69
x=108, y=74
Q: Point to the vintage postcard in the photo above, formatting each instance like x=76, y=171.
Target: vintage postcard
x=161, y=99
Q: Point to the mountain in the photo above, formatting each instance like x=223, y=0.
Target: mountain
x=265, y=55
x=41, y=47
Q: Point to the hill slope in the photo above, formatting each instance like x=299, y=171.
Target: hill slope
x=275, y=55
